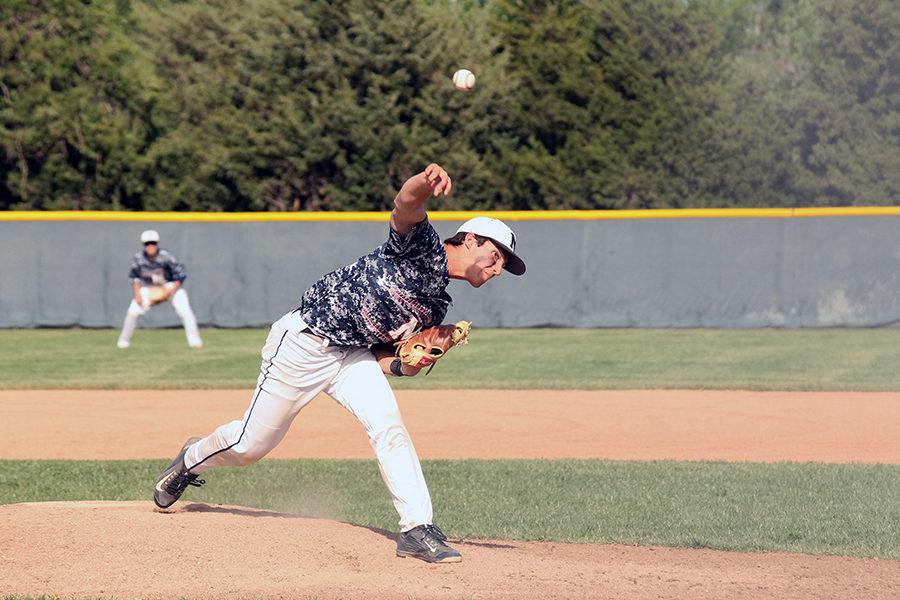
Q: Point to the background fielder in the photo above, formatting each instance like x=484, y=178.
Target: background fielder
x=339, y=341
x=156, y=275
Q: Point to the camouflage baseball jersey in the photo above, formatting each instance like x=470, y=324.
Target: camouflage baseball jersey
x=389, y=294
x=164, y=268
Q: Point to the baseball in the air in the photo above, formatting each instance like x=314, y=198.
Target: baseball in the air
x=464, y=80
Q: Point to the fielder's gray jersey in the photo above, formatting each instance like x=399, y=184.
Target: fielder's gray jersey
x=396, y=290
x=162, y=269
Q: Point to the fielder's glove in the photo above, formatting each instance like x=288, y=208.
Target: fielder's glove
x=427, y=346
x=157, y=294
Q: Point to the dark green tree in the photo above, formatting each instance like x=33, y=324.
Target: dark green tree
x=618, y=102
x=293, y=105
x=846, y=102
x=315, y=105
x=828, y=73
x=74, y=95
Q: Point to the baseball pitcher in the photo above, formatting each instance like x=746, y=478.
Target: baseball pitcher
x=377, y=317
x=156, y=276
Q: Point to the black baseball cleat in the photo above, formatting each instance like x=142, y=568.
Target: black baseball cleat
x=426, y=542
x=175, y=479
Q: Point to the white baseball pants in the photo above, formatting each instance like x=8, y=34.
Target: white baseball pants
x=295, y=368
x=182, y=307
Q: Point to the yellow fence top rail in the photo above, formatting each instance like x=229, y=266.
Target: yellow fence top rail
x=455, y=215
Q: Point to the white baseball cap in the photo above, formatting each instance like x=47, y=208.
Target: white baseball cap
x=150, y=236
x=499, y=233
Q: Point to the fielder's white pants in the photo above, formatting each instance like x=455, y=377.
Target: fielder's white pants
x=182, y=307
x=295, y=368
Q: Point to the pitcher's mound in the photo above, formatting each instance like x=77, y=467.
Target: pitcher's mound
x=130, y=550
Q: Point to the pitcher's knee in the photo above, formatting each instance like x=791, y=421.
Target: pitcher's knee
x=245, y=454
x=390, y=437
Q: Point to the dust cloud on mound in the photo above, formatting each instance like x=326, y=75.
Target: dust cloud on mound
x=130, y=550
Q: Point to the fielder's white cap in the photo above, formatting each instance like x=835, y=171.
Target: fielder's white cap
x=149, y=236
x=501, y=235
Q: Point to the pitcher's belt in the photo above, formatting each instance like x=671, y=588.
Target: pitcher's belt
x=313, y=335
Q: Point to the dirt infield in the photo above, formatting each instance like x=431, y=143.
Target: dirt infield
x=830, y=427
x=130, y=550
x=126, y=550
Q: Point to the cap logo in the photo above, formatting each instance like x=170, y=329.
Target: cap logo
x=512, y=241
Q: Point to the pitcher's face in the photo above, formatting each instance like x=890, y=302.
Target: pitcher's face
x=485, y=261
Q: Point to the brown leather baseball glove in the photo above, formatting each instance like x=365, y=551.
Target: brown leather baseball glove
x=427, y=346
x=157, y=294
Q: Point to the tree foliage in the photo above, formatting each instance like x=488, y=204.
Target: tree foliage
x=283, y=105
x=76, y=92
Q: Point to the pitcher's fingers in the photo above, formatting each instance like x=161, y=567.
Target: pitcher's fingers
x=443, y=186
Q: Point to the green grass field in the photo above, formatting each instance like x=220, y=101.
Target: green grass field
x=813, y=508
x=824, y=359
